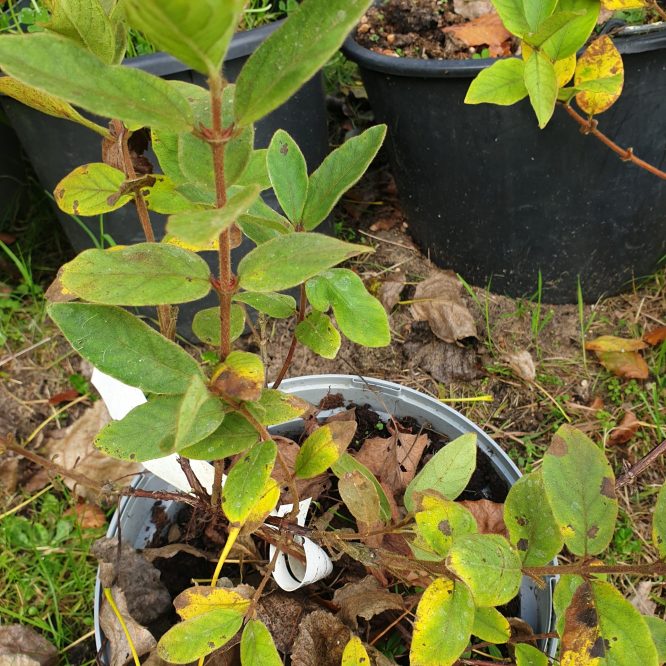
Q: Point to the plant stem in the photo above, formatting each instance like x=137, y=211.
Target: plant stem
x=292, y=347
x=653, y=568
x=216, y=497
x=630, y=475
x=231, y=540
x=655, y=5
x=625, y=154
x=217, y=143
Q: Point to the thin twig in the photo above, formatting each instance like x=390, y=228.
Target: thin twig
x=630, y=475
x=11, y=357
x=292, y=347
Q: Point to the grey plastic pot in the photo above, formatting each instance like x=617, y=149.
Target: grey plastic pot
x=134, y=514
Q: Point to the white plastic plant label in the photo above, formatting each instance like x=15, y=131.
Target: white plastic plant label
x=289, y=574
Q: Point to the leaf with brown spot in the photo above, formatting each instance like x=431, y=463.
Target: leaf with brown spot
x=655, y=336
x=485, y=30
x=622, y=433
x=489, y=516
x=599, y=76
x=241, y=377
x=582, y=644
x=629, y=365
x=611, y=343
x=364, y=599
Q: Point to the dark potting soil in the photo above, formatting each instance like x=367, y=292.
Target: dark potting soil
x=416, y=29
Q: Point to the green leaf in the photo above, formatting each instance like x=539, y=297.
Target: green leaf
x=162, y=425
x=537, y=11
x=659, y=522
x=502, y=83
x=141, y=274
x=288, y=173
x=317, y=332
x=488, y=565
x=338, y=172
x=247, y=480
x=261, y=223
x=91, y=189
x=279, y=306
x=346, y=463
x=85, y=22
x=198, y=33
x=361, y=498
x=354, y=653
x=527, y=655
x=286, y=261
x=188, y=640
x=206, y=325
x=443, y=625
x=448, y=471
x=564, y=591
x=561, y=35
x=530, y=521
x=541, y=84
x=256, y=171
x=122, y=346
x=323, y=448
x=275, y=407
x=625, y=634
x=491, y=626
x=438, y=522
x=198, y=227
x=112, y=91
x=580, y=486
x=257, y=647
x=360, y=316
x=512, y=13
x=241, y=376
x=163, y=196
x=45, y=103
x=657, y=628
x=293, y=54
x=234, y=435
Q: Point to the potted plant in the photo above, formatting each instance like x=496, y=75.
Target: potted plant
x=455, y=573
x=55, y=146
x=489, y=193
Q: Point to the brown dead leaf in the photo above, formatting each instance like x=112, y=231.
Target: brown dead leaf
x=521, y=631
x=655, y=336
x=641, y=600
x=580, y=638
x=485, y=30
x=313, y=487
x=88, y=516
x=65, y=396
x=389, y=293
x=320, y=641
x=9, y=474
x=597, y=403
x=119, y=648
x=393, y=460
x=6, y=238
x=168, y=551
x=471, y=9
x=364, y=599
x=73, y=447
x=522, y=365
x=23, y=646
x=622, y=433
x=438, y=301
x=629, y=365
x=610, y=343
x=385, y=223
x=489, y=516
x=282, y=613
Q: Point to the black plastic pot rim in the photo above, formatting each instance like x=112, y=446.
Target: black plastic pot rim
x=242, y=44
x=632, y=39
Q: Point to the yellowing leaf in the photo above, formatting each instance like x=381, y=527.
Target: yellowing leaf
x=241, y=376
x=600, y=61
x=323, y=448
x=91, y=189
x=622, y=5
x=202, y=599
x=264, y=505
x=355, y=654
x=610, y=343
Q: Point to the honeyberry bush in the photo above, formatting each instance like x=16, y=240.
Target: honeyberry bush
x=210, y=186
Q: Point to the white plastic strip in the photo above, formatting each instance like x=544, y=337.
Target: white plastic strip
x=290, y=574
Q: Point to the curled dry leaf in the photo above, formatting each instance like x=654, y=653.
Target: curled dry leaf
x=168, y=551
x=119, y=648
x=489, y=516
x=438, y=300
x=522, y=365
x=622, y=433
x=23, y=646
x=364, y=599
x=88, y=516
x=655, y=336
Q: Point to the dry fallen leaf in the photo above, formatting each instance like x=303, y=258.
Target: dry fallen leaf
x=471, y=9
x=489, y=516
x=485, y=30
x=655, y=336
x=389, y=293
x=65, y=396
x=611, y=343
x=629, y=365
x=641, y=600
x=73, y=447
x=522, y=365
x=282, y=613
x=364, y=599
x=9, y=473
x=119, y=648
x=88, y=516
x=438, y=301
x=622, y=433
x=23, y=646
x=393, y=460
x=385, y=223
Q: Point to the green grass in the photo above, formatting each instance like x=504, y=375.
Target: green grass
x=47, y=576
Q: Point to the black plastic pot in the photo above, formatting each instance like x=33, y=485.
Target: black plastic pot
x=498, y=200
x=134, y=516
x=55, y=147
x=12, y=168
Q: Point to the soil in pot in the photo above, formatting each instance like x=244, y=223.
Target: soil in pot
x=200, y=541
